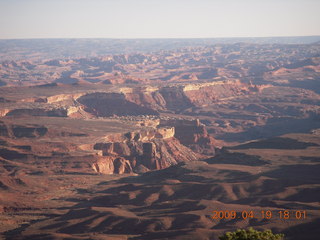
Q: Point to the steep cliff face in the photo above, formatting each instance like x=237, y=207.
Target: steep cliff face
x=192, y=134
x=64, y=98
x=110, y=165
x=207, y=93
x=159, y=99
x=172, y=142
x=177, y=98
x=147, y=97
x=148, y=150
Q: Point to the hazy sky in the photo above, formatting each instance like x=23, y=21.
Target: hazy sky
x=158, y=18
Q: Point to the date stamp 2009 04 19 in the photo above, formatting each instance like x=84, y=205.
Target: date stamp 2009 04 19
x=263, y=214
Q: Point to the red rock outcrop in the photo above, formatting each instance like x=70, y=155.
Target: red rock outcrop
x=207, y=93
x=177, y=98
x=111, y=165
x=154, y=149
x=192, y=134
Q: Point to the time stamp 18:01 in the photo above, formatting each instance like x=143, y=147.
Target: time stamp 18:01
x=263, y=214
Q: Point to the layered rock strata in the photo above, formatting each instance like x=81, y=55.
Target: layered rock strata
x=192, y=134
x=146, y=150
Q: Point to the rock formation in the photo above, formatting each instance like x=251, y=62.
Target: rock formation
x=111, y=165
x=192, y=134
x=154, y=149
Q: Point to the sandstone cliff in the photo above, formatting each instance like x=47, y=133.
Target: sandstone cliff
x=110, y=165
x=192, y=134
x=179, y=97
x=147, y=150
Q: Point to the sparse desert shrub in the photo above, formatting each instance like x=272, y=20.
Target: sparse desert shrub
x=251, y=234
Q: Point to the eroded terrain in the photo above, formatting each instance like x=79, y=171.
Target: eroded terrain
x=148, y=145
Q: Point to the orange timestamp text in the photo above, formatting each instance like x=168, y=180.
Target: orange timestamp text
x=263, y=214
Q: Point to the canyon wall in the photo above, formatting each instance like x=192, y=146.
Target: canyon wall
x=142, y=151
x=192, y=134
x=180, y=97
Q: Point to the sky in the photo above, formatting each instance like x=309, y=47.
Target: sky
x=158, y=18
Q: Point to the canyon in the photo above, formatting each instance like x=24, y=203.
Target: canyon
x=146, y=144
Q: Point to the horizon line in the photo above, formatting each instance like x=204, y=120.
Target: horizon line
x=154, y=38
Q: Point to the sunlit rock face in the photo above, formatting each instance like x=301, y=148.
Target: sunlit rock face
x=154, y=149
